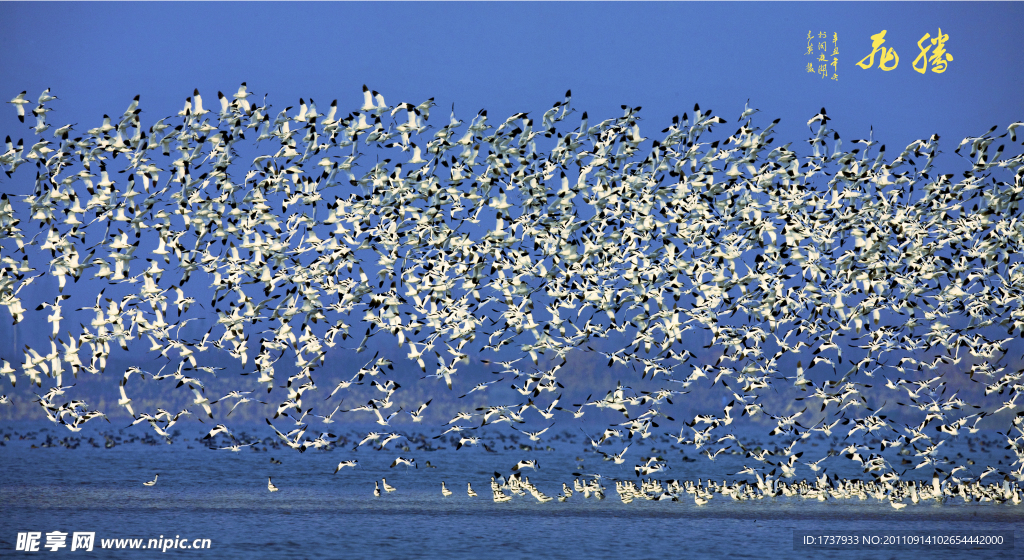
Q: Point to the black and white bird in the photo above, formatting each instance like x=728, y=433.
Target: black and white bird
x=218, y=429
x=19, y=104
x=343, y=464
x=417, y=415
x=404, y=461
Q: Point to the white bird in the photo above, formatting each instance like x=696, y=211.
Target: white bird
x=236, y=447
x=218, y=429
x=270, y=485
x=747, y=111
x=387, y=487
x=535, y=436
x=388, y=438
x=526, y=463
x=241, y=96
x=404, y=461
x=373, y=102
x=19, y=104
x=618, y=459
x=45, y=97
x=201, y=400
x=821, y=116
x=125, y=401
x=384, y=420
x=197, y=102
x=417, y=415
x=151, y=482
x=343, y=464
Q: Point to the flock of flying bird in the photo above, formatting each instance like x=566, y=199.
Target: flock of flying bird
x=526, y=239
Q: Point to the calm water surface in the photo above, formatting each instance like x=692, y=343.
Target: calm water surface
x=223, y=496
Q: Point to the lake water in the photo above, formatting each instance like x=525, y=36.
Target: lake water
x=223, y=496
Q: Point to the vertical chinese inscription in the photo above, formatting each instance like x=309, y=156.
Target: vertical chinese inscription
x=818, y=48
x=835, y=56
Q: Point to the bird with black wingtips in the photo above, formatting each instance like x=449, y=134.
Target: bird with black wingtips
x=526, y=463
x=19, y=102
x=404, y=461
x=820, y=117
x=348, y=463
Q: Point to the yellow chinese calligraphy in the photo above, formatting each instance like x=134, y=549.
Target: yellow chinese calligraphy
x=939, y=57
x=887, y=55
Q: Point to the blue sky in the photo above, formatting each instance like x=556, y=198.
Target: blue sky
x=510, y=57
